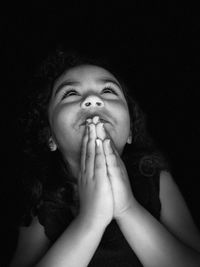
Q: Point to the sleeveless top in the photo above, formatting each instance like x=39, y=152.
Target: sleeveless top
x=113, y=249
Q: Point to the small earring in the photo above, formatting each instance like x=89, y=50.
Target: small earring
x=129, y=140
x=52, y=145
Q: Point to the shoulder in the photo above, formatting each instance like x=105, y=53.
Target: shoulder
x=32, y=242
x=175, y=214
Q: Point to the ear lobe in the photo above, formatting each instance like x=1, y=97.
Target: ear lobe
x=52, y=144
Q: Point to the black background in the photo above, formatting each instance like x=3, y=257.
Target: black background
x=158, y=47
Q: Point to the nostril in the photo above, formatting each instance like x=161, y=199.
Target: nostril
x=92, y=101
x=98, y=103
x=87, y=104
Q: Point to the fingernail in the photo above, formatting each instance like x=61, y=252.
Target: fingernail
x=98, y=142
x=101, y=124
x=88, y=121
x=95, y=119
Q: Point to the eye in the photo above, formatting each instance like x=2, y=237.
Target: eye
x=69, y=93
x=109, y=90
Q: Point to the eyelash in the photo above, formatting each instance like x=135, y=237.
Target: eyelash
x=67, y=93
x=106, y=90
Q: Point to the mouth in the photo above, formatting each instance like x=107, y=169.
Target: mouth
x=94, y=119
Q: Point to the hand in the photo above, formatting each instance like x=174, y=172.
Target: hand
x=122, y=193
x=96, y=200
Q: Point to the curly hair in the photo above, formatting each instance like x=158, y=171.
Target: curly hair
x=42, y=166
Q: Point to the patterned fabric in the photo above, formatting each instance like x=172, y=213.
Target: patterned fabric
x=113, y=249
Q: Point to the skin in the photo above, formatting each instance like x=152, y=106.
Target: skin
x=104, y=188
x=66, y=113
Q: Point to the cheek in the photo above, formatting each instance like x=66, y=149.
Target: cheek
x=123, y=120
x=124, y=128
x=120, y=131
x=64, y=129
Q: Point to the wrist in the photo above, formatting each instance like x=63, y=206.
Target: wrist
x=91, y=223
x=130, y=209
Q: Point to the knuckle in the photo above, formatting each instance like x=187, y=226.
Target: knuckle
x=83, y=149
x=99, y=157
x=99, y=162
x=98, y=154
x=90, y=150
x=90, y=142
x=99, y=171
x=89, y=155
x=112, y=159
x=85, y=138
x=82, y=153
x=86, y=175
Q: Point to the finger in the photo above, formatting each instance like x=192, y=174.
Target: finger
x=100, y=161
x=116, y=153
x=84, y=148
x=113, y=148
x=90, y=152
x=111, y=158
x=101, y=133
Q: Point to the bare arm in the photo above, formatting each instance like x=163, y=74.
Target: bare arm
x=175, y=241
x=32, y=245
x=175, y=215
x=76, y=246
x=175, y=244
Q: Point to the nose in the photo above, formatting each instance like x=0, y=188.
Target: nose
x=92, y=101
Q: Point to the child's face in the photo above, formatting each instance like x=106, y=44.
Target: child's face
x=69, y=108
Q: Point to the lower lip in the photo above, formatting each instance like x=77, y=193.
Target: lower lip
x=101, y=121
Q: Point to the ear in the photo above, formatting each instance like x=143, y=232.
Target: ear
x=52, y=144
x=129, y=140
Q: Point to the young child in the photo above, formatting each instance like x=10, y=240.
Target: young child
x=101, y=193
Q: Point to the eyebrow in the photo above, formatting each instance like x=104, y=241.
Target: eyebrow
x=71, y=82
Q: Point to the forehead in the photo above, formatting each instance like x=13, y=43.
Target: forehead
x=84, y=73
